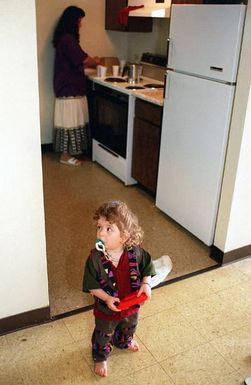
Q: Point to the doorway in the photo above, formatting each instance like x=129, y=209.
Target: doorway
x=71, y=195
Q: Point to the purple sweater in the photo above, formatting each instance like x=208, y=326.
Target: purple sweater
x=69, y=78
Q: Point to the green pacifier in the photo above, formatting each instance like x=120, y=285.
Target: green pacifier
x=100, y=245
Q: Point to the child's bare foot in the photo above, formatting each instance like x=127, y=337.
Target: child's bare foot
x=134, y=346
x=100, y=368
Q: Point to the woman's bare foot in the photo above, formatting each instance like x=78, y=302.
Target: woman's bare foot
x=100, y=368
x=134, y=346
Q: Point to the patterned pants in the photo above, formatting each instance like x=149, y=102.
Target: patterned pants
x=109, y=333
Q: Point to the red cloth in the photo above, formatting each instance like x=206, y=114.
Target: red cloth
x=123, y=14
x=122, y=278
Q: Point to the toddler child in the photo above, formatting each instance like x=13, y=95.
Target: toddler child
x=122, y=268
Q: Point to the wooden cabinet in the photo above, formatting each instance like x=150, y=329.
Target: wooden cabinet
x=135, y=24
x=146, y=144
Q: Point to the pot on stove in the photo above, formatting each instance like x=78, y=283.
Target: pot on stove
x=134, y=72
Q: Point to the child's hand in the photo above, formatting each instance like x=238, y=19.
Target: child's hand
x=145, y=288
x=111, y=303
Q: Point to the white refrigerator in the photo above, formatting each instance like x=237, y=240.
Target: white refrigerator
x=204, y=48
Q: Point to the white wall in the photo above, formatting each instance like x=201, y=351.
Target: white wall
x=23, y=272
x=233, y=228
x=153, y=42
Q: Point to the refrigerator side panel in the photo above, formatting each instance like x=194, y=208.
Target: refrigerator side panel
x=206, y=39
x=195, y=129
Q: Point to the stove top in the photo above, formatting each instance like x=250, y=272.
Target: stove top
x=153, y=85
x=135, y=87
x=115, y=79
x=150, y=89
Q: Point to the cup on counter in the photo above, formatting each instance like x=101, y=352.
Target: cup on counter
x=122, y=64
x=101, y=71
x=115, y=70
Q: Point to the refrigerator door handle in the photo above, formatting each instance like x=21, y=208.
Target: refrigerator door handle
x=169, y=48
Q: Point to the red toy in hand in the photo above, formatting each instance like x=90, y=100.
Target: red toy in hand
x=131, y=300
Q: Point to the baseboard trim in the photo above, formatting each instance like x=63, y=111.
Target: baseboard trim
x=189, y=275
x=24, y=320
x=48, y=147
x=72, y=312
x=230, y=256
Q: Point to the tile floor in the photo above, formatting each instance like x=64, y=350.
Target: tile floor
x=193, y=332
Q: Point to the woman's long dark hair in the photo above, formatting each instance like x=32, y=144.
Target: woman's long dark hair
x=68, y=23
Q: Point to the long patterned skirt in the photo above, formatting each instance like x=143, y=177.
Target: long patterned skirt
x=71, y=125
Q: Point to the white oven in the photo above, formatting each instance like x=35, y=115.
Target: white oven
x=112, y=126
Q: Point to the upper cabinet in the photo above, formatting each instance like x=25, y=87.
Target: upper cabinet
x=135, y=24
x=187, y=1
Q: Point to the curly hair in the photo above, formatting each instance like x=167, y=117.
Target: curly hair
x=119, y=213
x=68, y=23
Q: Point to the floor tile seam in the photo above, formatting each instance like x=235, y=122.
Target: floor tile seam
x=155, y=313
x=90, y=363
x=235, y=329
x=41, y=353
x=199, y=298
x=173, y=382
x=229, y=278
x=70, y=332
x=149, y=366
x=232, y=286
x=197, y=330
x=141, y=341
x=234, y=372
x=184, y=319
x=82, y=339
x=20, y=375
x=248, y=275
x=183, y=351
x=244, y=272
x=228, y=332
x=174, y=309
x=226, y=289
x=6, y=339
x=202, y=316
x=224, y=358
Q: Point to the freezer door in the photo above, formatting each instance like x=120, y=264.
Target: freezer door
x=194, y=136
x=205, y=40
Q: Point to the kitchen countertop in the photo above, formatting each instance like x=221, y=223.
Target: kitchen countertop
x=151, y=95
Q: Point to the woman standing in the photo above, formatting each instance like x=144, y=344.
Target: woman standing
x=71, y=111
